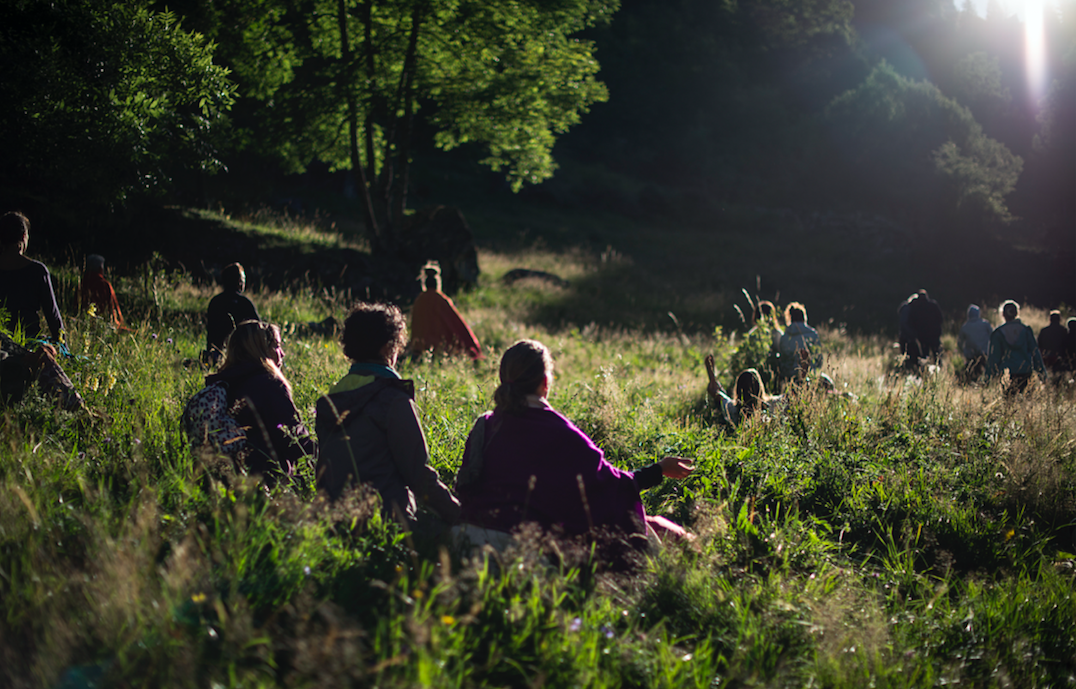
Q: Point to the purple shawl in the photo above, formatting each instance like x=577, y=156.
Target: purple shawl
x=538, y=467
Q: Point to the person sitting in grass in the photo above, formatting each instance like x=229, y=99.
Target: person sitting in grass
x=801, y=347
x=525, y=462
x=25, y=285
x=260, y=400
x=95, y=290
x=436, y=324
x=226, y=310
x=748, y=395
x=1013, y=349
x=368, y=428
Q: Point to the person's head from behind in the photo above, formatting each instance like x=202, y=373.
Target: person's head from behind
x=1010, y=310
x=795, y=313
x=748, y=391
x=374, y=333
x=233, y=277
x=526, y=369
x=1055, y=317
x=1072, y=325
x=95, y=263
x=973, y=312
x=922, y=294
x=431, y=277
x=254, y=341
x=765, y=312
x=14, y=231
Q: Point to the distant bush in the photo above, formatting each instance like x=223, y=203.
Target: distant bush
x=911, y=149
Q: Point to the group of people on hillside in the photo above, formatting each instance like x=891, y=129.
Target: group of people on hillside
x=522, y=462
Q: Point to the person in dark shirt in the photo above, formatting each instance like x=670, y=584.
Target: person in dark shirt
x=925, y=320
x=25, y=284
x=226, y=310
x=1052, y=341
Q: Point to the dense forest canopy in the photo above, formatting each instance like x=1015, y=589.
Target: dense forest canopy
x=917, y=109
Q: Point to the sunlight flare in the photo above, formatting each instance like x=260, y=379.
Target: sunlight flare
x=1034, y=49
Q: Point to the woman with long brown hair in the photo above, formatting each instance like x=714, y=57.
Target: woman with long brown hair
x=260, y=399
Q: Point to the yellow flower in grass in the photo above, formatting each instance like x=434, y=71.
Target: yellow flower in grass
x=448, y=620
x=198, y=598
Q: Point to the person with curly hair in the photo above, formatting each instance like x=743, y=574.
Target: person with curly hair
x=367, y=425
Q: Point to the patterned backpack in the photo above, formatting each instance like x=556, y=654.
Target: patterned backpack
x=208, y=423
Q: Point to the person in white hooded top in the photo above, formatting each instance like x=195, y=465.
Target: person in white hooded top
x=974, y=342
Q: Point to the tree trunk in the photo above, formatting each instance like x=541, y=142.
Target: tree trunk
x=371, y=76
x=404, y=149
x=372, y=231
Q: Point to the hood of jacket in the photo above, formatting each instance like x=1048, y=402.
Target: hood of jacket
x=973, y=313
x=336, y=408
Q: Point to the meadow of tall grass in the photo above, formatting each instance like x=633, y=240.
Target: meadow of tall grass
x=915, y=533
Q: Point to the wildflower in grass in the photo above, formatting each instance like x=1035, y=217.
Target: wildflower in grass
x=576, y=625
x=168, y=341
x=306, y=570
x=198, y=598
x=1009, y=534
x=91, y=384
x=448, y=620
x=607, y=631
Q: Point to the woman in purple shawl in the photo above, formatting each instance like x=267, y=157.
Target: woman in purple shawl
x=525, y=462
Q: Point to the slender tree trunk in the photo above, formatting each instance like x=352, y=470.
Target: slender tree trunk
x=372, y=231
x=371, y=76
x=406, y=95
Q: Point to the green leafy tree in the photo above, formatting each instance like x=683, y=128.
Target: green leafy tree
x=103, y=100
x=919, y=153
x=345, y=82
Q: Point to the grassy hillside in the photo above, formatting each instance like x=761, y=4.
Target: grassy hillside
x=919, y=534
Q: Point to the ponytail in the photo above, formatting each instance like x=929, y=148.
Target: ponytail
x=523, y=369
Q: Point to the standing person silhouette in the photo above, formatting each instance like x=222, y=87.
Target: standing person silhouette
x=226, y=310
x=1013, y=348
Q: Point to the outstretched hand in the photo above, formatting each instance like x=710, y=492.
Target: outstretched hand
x=676, y=467
x=713, y=387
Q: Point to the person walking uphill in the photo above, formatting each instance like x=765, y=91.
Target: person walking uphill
x=367, y=425
x=974, y=342
x=925, y=320
x=1013, y=348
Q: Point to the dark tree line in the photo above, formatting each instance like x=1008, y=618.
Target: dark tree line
x=913, y=108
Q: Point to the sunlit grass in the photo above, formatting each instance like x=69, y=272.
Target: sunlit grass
x=918, y=534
